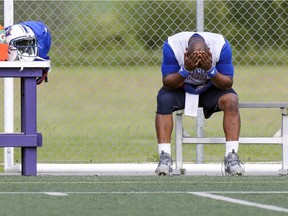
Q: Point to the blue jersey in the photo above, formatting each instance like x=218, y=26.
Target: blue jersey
x=42, y=35
x=198, y=81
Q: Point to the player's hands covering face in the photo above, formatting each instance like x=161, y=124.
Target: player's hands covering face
x=191, y=61
x=205, y=60
x=198, y=59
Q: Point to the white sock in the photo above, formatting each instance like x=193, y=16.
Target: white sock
x=230, y=145
x=166, y=147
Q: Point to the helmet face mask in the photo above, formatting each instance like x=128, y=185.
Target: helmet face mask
x=22, y=43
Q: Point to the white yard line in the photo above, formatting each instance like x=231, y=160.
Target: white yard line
x=247, y=192
x=56, y=194
x=239, y=202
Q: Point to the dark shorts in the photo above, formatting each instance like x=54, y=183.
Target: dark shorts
x=169, y=101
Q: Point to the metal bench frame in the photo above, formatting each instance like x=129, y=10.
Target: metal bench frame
x=183, y=138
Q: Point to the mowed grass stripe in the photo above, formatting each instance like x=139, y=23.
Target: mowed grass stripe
x=200, y=194
x=202, y=203
x=148, y=182
x=142, y=192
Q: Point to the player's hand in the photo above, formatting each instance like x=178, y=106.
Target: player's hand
x=205, y=60
x=191, y=60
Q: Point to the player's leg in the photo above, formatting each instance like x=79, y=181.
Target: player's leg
x=215, y=100
x=167, y=102
x=228, y=103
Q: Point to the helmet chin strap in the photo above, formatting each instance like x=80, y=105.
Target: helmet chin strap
x=25, y=57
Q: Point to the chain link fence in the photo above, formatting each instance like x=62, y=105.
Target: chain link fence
x=99, y=104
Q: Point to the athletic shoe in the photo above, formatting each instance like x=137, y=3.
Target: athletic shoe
x=165, y=164
x=232, y=164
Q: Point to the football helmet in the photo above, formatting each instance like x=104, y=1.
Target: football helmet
x=22, y=44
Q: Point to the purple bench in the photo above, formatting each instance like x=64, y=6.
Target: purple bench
x=28, y=139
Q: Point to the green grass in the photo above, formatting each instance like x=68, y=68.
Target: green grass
x=96, y=115
x=141, y=195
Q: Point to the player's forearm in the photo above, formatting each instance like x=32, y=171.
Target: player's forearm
x=173, y=81
x=222, y=81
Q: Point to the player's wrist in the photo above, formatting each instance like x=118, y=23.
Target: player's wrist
x=183, y=72
x=212, y=72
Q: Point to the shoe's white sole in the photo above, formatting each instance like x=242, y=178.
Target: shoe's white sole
x=162, y=172
x=235, y=174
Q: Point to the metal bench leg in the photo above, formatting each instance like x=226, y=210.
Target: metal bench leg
x=178, y=148
x=284, y=170
x=200, y=133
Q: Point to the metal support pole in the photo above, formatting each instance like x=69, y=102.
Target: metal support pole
x=200, y=116
x=200, y=133
x=284, y=170
x=8, y=93
x=200, y=15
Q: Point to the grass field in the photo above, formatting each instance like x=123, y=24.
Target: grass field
x=98, y=115
x=143, y=195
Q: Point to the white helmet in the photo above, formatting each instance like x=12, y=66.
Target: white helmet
x=22, y=44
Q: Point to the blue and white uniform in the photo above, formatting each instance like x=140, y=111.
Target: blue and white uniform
x=198, y=81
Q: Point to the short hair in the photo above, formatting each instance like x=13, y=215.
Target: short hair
x=197, y=43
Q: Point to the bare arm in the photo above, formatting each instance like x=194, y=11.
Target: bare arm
x=220, y=80
x=175, y=80
x=196, y=59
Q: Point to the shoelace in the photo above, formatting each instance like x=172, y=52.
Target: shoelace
x=165, y=159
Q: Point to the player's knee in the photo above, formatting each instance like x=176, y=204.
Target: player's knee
x=229, y=102
x=163, y=104
x=166, y=104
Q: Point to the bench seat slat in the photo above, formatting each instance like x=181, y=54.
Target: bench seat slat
x=263, y=105
x=247, y=140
